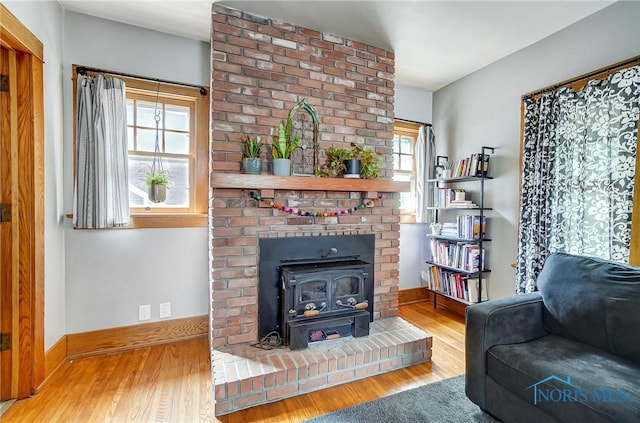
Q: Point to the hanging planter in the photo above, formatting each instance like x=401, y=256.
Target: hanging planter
x=157, y=178
x=157, y=183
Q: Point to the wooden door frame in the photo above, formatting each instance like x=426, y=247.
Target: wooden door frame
x=28, y=214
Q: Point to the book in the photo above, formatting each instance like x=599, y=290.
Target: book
x=483, y=165
x=442, y=197
x=473, y=260
x=478, y=231
x=463, y=204
x=473, y=168
x=468, y=226
x=473, y=285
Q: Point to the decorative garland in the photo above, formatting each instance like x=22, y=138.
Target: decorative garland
x=299, y=212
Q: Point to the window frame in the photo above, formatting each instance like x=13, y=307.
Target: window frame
x=411, y=130
x=197, y=213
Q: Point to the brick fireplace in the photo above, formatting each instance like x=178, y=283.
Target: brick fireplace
x=260, y=69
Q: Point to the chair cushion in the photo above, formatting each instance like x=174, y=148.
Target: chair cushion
x=601, y=386
x=593, y=301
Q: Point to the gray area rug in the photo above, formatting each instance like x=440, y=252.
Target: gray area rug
x=443, y=401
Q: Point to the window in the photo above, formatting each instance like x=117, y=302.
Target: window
x=578, y=190
x=183, y=147
x=405, y=136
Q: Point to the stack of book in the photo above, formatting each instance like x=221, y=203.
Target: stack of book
x=465, y=204
x=450, y=230
x=445, y=197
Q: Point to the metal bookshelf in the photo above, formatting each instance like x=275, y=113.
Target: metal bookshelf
x=439, y=182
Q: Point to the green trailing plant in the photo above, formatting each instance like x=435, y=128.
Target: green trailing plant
x=369, y=161
x=161, y=177
x=335, y=161
x=252, y=148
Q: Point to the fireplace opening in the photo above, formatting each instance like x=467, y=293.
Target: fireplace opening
x=314, y=289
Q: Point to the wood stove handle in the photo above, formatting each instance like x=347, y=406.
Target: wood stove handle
x=361, y=306
x=310, y=313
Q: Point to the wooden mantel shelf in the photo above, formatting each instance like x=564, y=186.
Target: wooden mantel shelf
x=303, y=183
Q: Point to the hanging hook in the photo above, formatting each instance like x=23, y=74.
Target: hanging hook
x=156, y=166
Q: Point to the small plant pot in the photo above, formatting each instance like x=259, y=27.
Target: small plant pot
x=436, y=228
x=352, y=168
x=282, y=167
x=446, y=173
x=251, y=165
x=157, y=192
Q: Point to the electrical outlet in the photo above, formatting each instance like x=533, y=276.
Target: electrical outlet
x=144, y=312
x=165, y=310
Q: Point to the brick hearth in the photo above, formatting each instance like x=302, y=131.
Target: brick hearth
x=261, y=68
x=245, y=376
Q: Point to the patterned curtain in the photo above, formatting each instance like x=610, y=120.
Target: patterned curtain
x=578, y=168
x=101, y=190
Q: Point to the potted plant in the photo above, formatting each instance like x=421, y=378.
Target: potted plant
x=446, y=172
x=283, y=145
x=436, y=227
x=251, y=162
x=360, y=162
x=369, y=161
x=336, y=158
x=157, y=182
x=351, y=166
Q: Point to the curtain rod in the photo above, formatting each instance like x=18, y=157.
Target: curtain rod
x=620, y=65
x=82, y=70
x=413, y=121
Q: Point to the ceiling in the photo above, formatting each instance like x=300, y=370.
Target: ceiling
x=435, y=42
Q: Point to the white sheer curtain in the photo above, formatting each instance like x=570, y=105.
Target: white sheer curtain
x=425, y=169
x=101, y=189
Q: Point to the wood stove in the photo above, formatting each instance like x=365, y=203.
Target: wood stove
x=322, y=299
x=315, y=288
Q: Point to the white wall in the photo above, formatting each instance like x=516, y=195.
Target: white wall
x=44, y=20
x=110, y=272
x=413, y=104
x=484, y=109
x=416, y=105
x=413, y=253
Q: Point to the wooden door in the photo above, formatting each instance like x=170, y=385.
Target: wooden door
x=21, y=186
x=6, y=273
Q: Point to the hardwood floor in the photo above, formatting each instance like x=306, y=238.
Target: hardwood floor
x=172, y=383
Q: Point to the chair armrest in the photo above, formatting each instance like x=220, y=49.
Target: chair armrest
x=504, y=321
